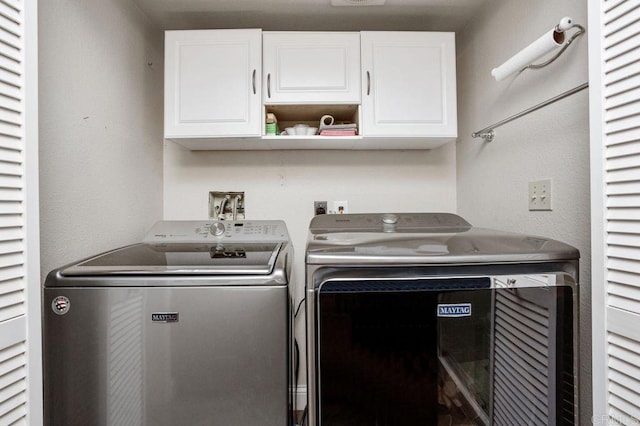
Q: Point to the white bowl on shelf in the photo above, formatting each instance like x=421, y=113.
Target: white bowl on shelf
x=300, y=129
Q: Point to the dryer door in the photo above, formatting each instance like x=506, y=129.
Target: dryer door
x=455, y=351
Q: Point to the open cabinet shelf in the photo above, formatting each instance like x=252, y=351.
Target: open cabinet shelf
x=289, y=115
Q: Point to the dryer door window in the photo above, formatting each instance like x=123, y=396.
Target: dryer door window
x=451, y=351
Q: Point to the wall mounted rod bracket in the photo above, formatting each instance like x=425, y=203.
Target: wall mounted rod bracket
x=487, y=135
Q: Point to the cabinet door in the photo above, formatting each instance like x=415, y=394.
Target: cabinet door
x=408, y=84
x=212, y=83
x=311, y=67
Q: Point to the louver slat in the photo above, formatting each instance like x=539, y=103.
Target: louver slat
x=630, y=214
x=9, y=12
x=619, y=19
x=623, y=150
x=624, y=265
x=616, y=8
x=14, y=4
x=620, y=226
x=620, y=86
x=10, y=156
x=614, y=100
x=622, y=124
x=620, y=74
x=630, y=135
x=624, y=111
x=13, y=394
x=620, y=252
x=7, y=101
x=624, y=277
x=623, y=348
x=625, y=297
x=622, y=200
x=619, y=37
x=609, y=5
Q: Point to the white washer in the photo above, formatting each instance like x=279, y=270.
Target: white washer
x=192, y=326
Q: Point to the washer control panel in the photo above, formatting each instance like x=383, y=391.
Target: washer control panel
x=186, y=231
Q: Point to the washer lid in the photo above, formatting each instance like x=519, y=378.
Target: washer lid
x=223, y=258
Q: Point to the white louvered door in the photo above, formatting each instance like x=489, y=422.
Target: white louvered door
x=19, y=275
x=615, y=134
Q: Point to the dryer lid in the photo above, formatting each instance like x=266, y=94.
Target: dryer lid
x=422, y=238
x=182, y=259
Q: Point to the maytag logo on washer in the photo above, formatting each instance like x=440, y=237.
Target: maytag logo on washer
x=60, y=305
x=454, y=310
x=164, y=316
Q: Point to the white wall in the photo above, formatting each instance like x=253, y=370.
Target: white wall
x=550, y=143
x=100, y=127
x=284, y=184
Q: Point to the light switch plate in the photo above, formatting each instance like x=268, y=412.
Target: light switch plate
x=540, y=195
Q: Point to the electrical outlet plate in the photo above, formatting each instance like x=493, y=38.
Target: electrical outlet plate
x=540, y=195
x=339, y=207
x=319, y=207
x=224, y=205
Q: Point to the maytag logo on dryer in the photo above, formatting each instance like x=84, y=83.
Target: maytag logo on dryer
x=454, y=310
x=164, y=317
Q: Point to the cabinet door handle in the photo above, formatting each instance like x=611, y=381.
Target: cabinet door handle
x=269, y=85
x=368, y=83
x=253, y=77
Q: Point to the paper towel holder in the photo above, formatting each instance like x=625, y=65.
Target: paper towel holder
x=565, y=24
x=550, y=41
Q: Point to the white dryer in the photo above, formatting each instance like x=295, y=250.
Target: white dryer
x=423, y=319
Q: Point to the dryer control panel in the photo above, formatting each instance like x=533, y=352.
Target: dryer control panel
x=388, y=223
x=187, y=231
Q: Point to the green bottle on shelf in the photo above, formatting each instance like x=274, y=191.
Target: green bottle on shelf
x=272, y=124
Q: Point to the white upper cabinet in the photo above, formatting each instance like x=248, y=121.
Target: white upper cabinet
x=311, y=67
x=213, y=83
x=399, y=88
x=408, y=84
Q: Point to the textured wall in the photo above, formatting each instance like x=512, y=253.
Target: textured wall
x=550, y=143
x=284, y=184
x=100, y=127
